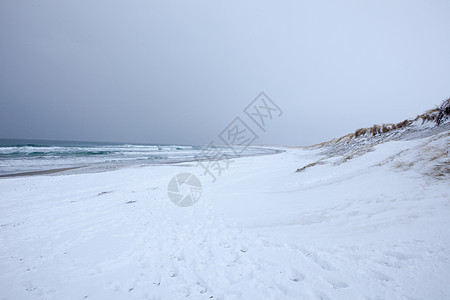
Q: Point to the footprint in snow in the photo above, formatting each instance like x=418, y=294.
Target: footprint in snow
x=380, y=276
x=173, y=271
x=295, y=275
x=337, y=284
x=396, y=254
x=320, y=262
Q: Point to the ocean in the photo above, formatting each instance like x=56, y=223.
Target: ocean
x=19, y=156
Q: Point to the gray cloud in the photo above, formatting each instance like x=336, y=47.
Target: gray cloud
x=180, y=71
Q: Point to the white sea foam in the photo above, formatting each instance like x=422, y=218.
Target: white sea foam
x=25, y=157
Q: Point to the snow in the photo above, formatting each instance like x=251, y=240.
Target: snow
x=372, y=226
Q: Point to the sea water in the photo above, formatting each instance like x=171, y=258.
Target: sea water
x=17, y=156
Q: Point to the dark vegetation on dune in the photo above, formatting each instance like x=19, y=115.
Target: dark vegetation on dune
x=437, y=115
x=357, y=143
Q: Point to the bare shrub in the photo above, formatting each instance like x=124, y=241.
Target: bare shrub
x=444, y=112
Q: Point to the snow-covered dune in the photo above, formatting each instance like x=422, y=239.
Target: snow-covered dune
x=366, y=222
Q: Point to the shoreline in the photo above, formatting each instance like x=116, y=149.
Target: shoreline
x=109, y=167
x=41, y=172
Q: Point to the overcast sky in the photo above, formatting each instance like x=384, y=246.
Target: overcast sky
x=179, y=72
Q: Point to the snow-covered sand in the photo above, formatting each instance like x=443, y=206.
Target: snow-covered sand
x=375, y=226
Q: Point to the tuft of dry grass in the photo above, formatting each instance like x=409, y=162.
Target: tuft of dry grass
x=103, y=193
x=360, y=131
x=375, y=129
x=404, y=124
x=348, y=136
x=307, y=166
x=426, y=117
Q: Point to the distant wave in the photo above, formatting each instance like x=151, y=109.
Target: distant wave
x=24, y=145
x=54, y=153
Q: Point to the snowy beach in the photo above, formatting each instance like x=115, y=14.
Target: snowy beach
x=224, y=150
x=374, y=226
